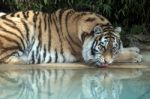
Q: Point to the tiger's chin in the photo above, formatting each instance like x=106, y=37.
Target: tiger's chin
x=102, y=65
x=97, y=63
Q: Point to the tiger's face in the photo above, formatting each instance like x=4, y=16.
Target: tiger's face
x=102, y=46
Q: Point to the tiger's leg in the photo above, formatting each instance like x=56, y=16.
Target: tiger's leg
x=10, y=51
x=16, y=34
x=11, y=56
x=130, y=54
x=15, y=59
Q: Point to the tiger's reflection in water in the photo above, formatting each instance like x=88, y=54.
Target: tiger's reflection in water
x=63, y=84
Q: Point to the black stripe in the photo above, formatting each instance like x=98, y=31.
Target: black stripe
x=11, y=48
x=24, y=15
x=90, y=19
x=34, y=18
x=3, y=16
x=49, y=33
x=14, y=27
x=4, y=51
x=76, y=18
x=27, y=14
x=110, y=34
x=12, y=33
x=62, y=53
x=50, y=18
x=45, y=22
x=23, y=46
x=6, y=19
x=101, y=17
x=39, y=59
x=60, y=18
x=27, y=30
x=49, y=59
x=94, y=44
x=70, y=45
x=40, y=33
x=18, y=16
x=56, y=55
x=37, y=48
x=44, y=55
x=33, y=58
x=60, y=40
x=84, y=35
x=11, y=40
x=66, y=23
x=7, y=56
x=57, y=29
x=92, y=47
x=60, y=29
x=107, y=30
x=12, y=14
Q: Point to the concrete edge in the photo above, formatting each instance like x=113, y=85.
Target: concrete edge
x=71, y=66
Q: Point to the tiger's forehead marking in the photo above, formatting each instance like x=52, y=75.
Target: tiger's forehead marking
x=100, y=17
x=90, y=19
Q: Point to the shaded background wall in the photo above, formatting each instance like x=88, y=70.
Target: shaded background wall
x=132, y=15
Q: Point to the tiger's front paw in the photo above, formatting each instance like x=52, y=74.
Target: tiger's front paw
x=129, y=55
x=136, y=57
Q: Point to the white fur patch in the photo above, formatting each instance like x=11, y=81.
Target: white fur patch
x=86, y=52
x=2, y=13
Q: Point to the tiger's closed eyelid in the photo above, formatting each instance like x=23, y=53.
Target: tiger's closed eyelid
x=101, y=43
x=105, y=40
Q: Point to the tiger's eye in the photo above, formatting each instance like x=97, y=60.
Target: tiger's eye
x=106, y=41
x=101, y=43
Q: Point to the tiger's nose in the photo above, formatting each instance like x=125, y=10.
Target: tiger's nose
x=108, y=60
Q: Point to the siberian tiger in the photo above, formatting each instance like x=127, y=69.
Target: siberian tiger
x=34, y=37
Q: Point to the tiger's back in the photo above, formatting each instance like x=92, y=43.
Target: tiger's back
x=15, y=39
x=51, y=43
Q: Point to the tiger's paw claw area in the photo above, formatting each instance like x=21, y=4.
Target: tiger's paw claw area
x=102, y=65
x=137, y=58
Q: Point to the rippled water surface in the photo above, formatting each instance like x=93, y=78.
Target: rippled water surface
x=74, y=84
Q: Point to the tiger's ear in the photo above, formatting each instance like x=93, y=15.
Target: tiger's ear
x=118, y=29
x=97, y=30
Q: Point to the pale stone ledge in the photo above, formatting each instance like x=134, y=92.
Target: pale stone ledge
x=144, y=65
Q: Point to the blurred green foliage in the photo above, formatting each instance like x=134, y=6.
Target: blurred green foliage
x=132, y=15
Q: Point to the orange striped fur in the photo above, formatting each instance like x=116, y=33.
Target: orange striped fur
x=34, y=37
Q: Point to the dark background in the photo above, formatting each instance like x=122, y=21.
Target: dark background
x=132, y=15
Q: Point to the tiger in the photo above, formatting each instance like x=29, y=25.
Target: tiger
x=63, y=36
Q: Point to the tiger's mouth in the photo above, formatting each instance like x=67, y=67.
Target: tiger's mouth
x=97, y=63
x=102, y=65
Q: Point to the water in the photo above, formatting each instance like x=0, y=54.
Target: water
x=74, y=84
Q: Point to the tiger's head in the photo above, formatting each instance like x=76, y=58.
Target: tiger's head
x=101, y=42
